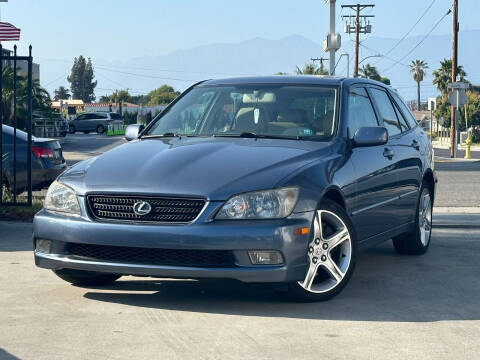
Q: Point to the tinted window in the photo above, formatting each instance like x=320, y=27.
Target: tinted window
x=115, y=116
x=401, y=119
x=360, y=111
x=406, y=112
x=387, y=112
x=81, y=117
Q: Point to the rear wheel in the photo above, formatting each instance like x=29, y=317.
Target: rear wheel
x=100, y=129
x=418, y=241
x=71, y=129
x=331, y=255
x=86, y=278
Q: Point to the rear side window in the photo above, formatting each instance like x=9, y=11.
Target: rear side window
x=406, y=112
x=387, y=112
x=115, y=116
x=360, y=111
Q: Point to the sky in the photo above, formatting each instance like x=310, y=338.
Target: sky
x=108, y=30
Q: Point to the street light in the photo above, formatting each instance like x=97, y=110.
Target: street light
x=371, y=56
x=348, y=63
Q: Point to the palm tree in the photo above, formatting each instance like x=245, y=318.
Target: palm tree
x=369, y=72
x=417, y=69
x=62, y=93
x=311, y=69
x=443, y=76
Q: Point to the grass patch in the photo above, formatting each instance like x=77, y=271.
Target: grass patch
x=19, y=212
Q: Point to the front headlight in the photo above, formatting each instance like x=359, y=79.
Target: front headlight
x=269, y=204
x=61, y=198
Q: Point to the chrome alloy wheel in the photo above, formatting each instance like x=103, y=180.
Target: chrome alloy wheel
x=329, y=253
x=425, y=217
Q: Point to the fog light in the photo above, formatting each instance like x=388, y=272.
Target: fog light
x=43, y=246
x=265, y=257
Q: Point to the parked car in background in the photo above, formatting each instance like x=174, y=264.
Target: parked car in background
x=47, y=160
x=266, y=179
x=96, y=121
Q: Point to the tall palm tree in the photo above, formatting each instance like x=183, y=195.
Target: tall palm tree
x=443, y=76
x=417, y=69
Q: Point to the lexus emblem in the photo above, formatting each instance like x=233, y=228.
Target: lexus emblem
x=142, y=208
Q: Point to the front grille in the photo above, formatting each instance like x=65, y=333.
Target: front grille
x=148, y=256
x=167, y=210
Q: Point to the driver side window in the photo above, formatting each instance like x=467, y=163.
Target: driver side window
x=360, y=111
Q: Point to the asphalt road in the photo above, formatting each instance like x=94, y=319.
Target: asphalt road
x=395, y=307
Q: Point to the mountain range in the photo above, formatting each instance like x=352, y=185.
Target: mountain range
x=260, y=56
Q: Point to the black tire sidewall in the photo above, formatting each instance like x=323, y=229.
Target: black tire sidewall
x=102, y=129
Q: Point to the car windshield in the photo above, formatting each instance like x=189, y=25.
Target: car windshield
x=284, y=111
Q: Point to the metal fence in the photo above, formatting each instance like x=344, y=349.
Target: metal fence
x=10, y=89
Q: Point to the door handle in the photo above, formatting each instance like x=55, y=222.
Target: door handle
x=415, y=145
x=388, y=153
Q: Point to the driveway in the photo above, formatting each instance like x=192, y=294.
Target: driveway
x=395, y=307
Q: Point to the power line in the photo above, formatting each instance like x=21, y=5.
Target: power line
x=419, y=43
x=408, y=32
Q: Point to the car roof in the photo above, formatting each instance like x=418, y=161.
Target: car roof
x=290, y=79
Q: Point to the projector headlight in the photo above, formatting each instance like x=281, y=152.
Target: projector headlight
x=269, y=204
x=61, y=198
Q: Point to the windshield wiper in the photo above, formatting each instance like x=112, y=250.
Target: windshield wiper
x=167, y=134
x=259, y=136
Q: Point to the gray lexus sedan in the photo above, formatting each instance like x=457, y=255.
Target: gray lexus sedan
x=265, y=179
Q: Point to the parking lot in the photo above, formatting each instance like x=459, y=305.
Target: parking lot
x=395, y=307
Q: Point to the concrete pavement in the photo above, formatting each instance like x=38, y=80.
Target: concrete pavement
x=395, y=307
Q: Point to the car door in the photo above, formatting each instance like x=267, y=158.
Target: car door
x=79, y=122
x=409, y=149
x=373, y=210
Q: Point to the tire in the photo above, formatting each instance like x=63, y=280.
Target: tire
x=100, y=129
x=331, y=255
x=71, y=129
x=418, y=241
x=86, y=278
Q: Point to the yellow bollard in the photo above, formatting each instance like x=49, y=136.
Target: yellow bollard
x=468, y=143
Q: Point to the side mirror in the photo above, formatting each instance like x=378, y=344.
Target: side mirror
x=132, y=131
x=370, y=136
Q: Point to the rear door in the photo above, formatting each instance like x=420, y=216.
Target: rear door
x=373, y=211
x=409, y=149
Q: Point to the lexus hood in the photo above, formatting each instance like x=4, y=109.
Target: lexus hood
x=214, y=168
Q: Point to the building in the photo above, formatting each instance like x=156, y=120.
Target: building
x=22, y=66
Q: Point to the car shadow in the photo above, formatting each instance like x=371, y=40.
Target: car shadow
x=385, y=287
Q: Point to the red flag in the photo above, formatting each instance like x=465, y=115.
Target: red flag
x=8, y=32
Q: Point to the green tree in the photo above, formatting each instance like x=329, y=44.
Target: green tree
x=417, y=69
x=443, y=76
x=311, y=69
x=81, y=79
x=62, y=93
x=163, y=95
x=41, y=100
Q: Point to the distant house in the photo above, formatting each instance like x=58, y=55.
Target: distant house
x=68, y=107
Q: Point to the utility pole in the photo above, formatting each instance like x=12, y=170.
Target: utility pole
x=322, y=59
x=333, y=40
x=358, y=28
x=453, y=110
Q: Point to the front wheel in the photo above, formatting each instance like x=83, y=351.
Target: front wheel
x=71, y=129
x=418, y=241
x=331, y=255
x=86, y=278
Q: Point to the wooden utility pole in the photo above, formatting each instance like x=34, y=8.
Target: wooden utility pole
x=453, y=125
x=358, y=28
x=357, y=40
